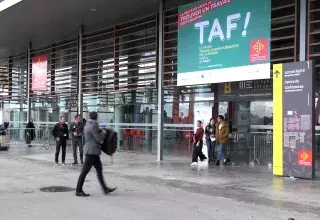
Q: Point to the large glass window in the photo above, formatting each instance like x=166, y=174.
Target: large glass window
x=183, y=106
x=261, y=114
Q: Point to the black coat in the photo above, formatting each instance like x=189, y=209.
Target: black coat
x=76, y=128
x=30, y=133
x=62, y=133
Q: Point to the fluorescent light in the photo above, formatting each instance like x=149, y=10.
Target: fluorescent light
x=4, y=4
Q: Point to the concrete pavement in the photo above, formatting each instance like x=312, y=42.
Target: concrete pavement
x=150, y=190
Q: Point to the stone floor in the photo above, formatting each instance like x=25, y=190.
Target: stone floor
x=150, y=190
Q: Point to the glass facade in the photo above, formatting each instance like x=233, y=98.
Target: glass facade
x=114, y=71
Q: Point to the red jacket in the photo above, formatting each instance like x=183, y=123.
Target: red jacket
x=198, y=135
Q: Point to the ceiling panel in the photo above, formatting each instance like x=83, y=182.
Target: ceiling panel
x=46, y=21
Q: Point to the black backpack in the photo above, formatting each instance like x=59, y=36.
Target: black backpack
x=110, y=143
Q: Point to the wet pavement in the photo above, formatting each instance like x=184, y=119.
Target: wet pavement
x=171, y=189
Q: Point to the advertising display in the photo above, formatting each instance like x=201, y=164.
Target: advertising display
x=223, y=41
x=293, y=119
x=39, y=73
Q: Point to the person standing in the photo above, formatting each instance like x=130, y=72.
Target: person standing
x=76, y=129
x=197, y=145
x=60, y=133
x=210, y=132
x=222, y=137
x=93, y=137
x=30, y=133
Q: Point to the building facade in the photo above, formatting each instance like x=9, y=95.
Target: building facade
x=128, y=74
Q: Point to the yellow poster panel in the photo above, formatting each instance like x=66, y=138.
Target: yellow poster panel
x=278, y=119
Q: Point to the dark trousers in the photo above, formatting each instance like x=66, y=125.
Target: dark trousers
x=91, y=160
x=197, y=152
x=211, y=145
x=77, y=142
x=28, y=141
x=61, y=144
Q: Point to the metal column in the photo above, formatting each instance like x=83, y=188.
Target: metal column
x=80, y=96
x=29, y=70
x=160, y=85
x=303, y=30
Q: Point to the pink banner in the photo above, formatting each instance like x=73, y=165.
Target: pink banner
x=196, y=13
x=39, y=73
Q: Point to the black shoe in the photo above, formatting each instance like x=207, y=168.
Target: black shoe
x=109, y=190
x=227, y=159
x=82, y=194
x=75, y=163
x=202, y=159
x=217, y=162
x=81, y=161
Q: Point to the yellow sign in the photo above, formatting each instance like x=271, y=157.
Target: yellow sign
x=227, y=88
x=277, y=119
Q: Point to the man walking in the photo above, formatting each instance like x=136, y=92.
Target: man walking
x=76, y=128
x=60, y=133
x=222, y=137
x=93, y=137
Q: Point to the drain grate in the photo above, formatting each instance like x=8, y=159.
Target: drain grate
x=55, y=189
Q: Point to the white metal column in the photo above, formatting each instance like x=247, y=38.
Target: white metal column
x=303, y=30
x=80, y=96
x=29, y=69
x=160, y=85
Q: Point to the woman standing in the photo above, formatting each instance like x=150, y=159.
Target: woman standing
x=30, y=133
x=197, y=145
x=210, y=132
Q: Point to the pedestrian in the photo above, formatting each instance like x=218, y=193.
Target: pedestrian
x=93, y=137
x=60, y=133
x=210, y=132
x=30, y=133
x=197, y=145
x=76, y=129
x=222, y=137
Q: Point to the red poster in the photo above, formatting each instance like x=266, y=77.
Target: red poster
x=305, y=158
x=259, y=50
x=39, y=73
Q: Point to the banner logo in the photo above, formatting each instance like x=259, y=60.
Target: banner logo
x=39, y=73
x=305, y=158
x=258, y=47
x=259, y=50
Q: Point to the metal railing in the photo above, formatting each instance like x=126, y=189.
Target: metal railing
x=29, y=136
x=262, y=146
x=254, y=145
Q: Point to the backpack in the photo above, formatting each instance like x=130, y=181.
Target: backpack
x=110, y=142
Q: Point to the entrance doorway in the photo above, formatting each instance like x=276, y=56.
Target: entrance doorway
x=250, y=125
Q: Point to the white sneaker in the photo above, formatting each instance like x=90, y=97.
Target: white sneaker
x=63, y=164
x=57, y=164
x=194, y=164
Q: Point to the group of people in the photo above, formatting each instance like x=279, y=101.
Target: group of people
x=92, y=136
x=216, y=136
x=89, y=133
